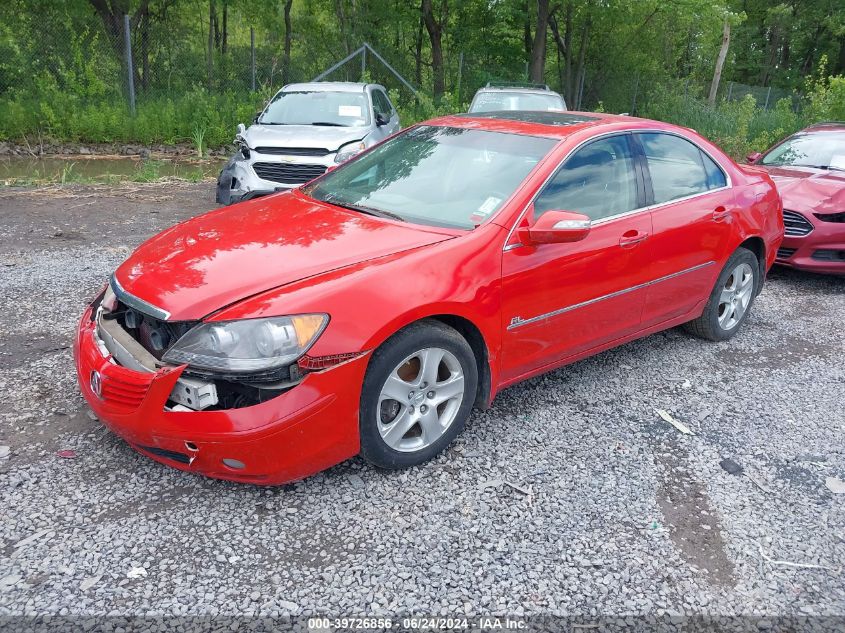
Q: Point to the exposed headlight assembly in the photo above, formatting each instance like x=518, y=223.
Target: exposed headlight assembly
x=241, y=144
x=348, y=151
x=248, y=345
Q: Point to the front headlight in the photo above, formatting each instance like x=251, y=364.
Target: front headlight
x=243, y=147
x=247, y=345
x=348, y=151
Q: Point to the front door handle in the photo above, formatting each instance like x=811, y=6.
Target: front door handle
x=631, y=238
x=720, y=214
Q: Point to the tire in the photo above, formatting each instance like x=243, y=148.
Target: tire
x=731, y=300
x=419, y=422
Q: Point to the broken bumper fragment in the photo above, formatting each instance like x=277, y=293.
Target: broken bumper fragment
x=297, y=433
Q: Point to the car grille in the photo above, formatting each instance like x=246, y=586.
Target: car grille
x=831, y=217
x=829, y=255
x=786, y=253
x=288, y=172
x=125, y=389
x=796, y=225
x=293, y=151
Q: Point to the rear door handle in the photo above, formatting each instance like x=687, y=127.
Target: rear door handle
x=631, y=238
x=720, y=214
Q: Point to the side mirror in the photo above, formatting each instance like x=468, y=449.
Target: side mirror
x=753, y=157
x=241, y=129
x=381, y=120
x=556, y=227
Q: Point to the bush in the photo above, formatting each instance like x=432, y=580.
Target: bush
x=82, y=112
x=65, y=118
x=826, y=99
x=413, y=110
x=738, y=127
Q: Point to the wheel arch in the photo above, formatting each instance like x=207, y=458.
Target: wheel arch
x=471, y=333
x=756, y=245
x=475, y=338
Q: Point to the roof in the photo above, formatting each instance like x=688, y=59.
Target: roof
x=537, y=123
x=515, y=85
x=536, y=116
x=543, y=90
x=826, y=125
x=327, y=86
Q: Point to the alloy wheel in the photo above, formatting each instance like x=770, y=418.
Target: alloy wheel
x=420, y=399
x=736, y=296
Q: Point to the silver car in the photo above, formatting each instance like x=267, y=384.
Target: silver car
x=304, y=130
x=498, y=97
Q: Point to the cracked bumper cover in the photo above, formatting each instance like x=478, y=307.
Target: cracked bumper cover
x=238, y=181
x=298, y=433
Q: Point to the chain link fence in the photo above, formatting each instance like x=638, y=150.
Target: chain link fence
x=225, y=56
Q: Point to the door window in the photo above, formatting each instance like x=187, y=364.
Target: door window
x=715, y=176
x=599, y=180
x=678, y=167
x=382, y=105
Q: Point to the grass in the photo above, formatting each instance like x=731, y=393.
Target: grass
x=208, y=120
x=194, y=117
x=148, y=171
x=198, y=138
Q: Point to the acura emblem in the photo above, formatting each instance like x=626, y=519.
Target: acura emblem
x=97, y=384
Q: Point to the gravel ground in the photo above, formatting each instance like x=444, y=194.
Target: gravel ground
x=570, y=496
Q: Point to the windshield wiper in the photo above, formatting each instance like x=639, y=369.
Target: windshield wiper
x=803, y=166
x=329, y=123
x=825, y=167
x=368, y=210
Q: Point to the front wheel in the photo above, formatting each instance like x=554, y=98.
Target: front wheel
x=731, y=299
x=417, y=395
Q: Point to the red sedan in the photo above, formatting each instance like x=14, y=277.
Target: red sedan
x=370, y=310
x=809, y=171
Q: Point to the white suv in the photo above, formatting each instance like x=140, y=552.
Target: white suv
x=498, y=97
x=303, y=131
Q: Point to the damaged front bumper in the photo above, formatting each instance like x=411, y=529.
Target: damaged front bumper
x=302, y=431
x=261, y=174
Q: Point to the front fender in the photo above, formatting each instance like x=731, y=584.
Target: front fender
x=370, y=301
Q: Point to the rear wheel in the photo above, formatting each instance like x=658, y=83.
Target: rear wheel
x=731, y=299
x=418, y=394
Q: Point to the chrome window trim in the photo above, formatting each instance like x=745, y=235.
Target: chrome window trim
x=519, y=322
x=728, y=181
x=138, y=304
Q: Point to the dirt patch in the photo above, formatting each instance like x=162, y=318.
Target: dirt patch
x=693, y=523
x=23, y=348
x=786, y=350
x=29, y=448
x=56, y=216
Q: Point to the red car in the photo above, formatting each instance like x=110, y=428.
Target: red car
x=370, y=310
x=809, y=171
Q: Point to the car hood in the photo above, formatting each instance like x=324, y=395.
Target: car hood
x=810, y=190
x=216, y=259
x=323, y=136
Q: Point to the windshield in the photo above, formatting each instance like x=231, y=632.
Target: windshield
x=342, y=109
x=440, y=176
x=823, y=150
x=502, y=100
